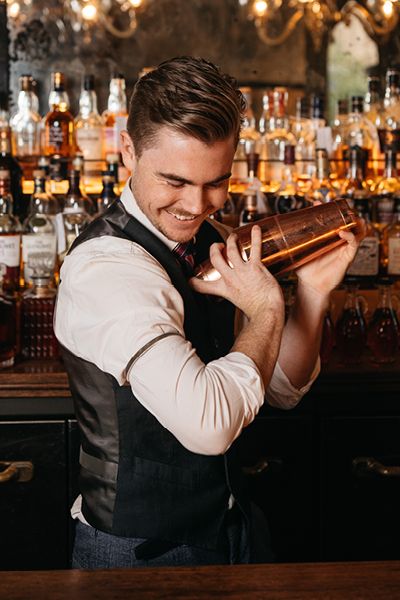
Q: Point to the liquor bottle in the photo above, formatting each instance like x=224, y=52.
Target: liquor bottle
x=302, y=128
x=89, y=134
x=249, y=143
x=59, y=134
x=57, y=182
x=115, y=116
x=37, y=308
x=249, y=213
x=75, y=215
x=10, y=238
x=288, y=197
x=9, y=163
x=351, y=329
x=321, y=186
x=292, y=239
x=112, y=162
x=355, y=186
x=391, y=244
x=108, y=195
x=386, y=190
x=372, y=99
x=361, y=133
x=366, y=261
x=383, y=329
x=8, y=328
x=25, y=125
x=388, y=121
x=266, y=111
x=275, y=139
x=339, y=154
x=39, y=238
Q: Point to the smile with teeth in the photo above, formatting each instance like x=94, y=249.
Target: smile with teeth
x=182, y=217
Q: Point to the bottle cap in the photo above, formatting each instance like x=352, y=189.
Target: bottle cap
x=58, y=81
x=88, y=82
x=317, y=106
x=343, y=106
x=26, y=83
x=374, y=83
x=357, y=104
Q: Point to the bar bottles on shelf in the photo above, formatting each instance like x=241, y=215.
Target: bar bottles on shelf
x=26, y=127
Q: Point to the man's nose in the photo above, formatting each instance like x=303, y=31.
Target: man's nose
x=196, y=201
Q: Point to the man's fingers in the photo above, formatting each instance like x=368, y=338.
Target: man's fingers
x=256, y=237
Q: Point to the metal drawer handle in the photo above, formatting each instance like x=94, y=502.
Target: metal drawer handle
x=364, y=466
x=262, y=465
x=15, y=470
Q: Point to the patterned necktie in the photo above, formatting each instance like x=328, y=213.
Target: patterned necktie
x=185, y=253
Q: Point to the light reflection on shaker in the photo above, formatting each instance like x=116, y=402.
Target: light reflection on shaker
x=292, y=239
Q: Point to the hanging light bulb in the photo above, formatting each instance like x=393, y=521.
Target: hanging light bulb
x=260, y=8
x=14, y=10
x=135, y=3
x=89, y=12
x=387, y=8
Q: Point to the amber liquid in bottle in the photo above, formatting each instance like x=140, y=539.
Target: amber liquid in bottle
x=37, y=308
x=351, y=331
x=383, y=330
x=59, y=137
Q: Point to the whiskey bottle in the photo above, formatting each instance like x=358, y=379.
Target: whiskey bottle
x=75, y=214
x=321, y=186
x=59, y=134
x=391, y=244
x=10, y=163
x=351, y=328
x=115, y=117
x=249, y=143
x=355, y=186
x=10, y=238
x=37, y=308
x=385, y=192
x=366, y=261
x=372, y=99
x=339, y=153
x=108, y=195
x=25, y=125
x=39, y=239
x=249, y=213
x=288, y=197
x=361, y=133
x=383, y=329
x=388, y=121
x=89, y=134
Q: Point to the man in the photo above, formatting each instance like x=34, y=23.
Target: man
x=161, y=386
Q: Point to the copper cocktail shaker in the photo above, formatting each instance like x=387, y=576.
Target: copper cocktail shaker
x=292, y=239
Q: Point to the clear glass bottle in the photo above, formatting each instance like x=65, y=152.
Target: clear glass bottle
x=322, y=189
x=75, y=214
x=275, y=139
x=249, y=143
x=39, y=238
x=361, y=133
x=391, y=244
x=351, y=329
x=112, y=162
x=372, y=99
x=10, y=238
x=115, y=116
x=25, y=125
x=383, y=329
x=37, y=307
x=89, y=134
x=59, y=133
x=288, y=197
x=366, y=261
x=302, y=128
x=355, y=186
x=249, y=213
x=388, y=121
x=108, y=195
x=266, y=111
x=339, y=154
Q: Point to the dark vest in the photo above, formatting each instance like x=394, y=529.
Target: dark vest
x=136, y=479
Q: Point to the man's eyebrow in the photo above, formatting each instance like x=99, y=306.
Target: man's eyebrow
x=173, y=177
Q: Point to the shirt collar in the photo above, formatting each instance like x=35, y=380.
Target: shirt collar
x=128, y=200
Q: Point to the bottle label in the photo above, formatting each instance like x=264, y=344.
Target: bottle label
x=10, y=250
x=384, y=209
x=394, y=256
x=58, y=135
x=90, y=142
x=38, y=251
x=366, y=261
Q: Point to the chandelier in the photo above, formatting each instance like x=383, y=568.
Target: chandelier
x=117, y=16
x=275, y=20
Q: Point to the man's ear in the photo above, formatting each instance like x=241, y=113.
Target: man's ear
x=127, y=151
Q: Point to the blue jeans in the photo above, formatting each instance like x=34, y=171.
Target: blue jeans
x=95, y=549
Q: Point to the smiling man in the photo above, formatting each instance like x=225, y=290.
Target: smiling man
x=162, y=384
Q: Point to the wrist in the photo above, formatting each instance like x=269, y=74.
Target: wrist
x=307, y=294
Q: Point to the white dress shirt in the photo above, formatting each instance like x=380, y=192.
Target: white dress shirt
x=114, y=299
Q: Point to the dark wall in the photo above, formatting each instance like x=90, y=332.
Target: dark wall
x=215, y=29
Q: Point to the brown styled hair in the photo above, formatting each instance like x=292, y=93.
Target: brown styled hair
x=190, y=95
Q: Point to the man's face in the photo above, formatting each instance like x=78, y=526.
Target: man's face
x=179, y=180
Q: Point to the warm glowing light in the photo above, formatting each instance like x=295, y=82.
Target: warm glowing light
x=316, y=7
x=260, y=8
x=135, y=3
x=89, y=12
x=13, y=10
x=387, y=8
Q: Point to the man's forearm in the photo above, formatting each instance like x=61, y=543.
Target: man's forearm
x=260, y=339
x=301, y=336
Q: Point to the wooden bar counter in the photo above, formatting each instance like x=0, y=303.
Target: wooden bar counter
x=322, y=581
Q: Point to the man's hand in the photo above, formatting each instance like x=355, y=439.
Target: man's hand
x=326, y=272
x=247, y=284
